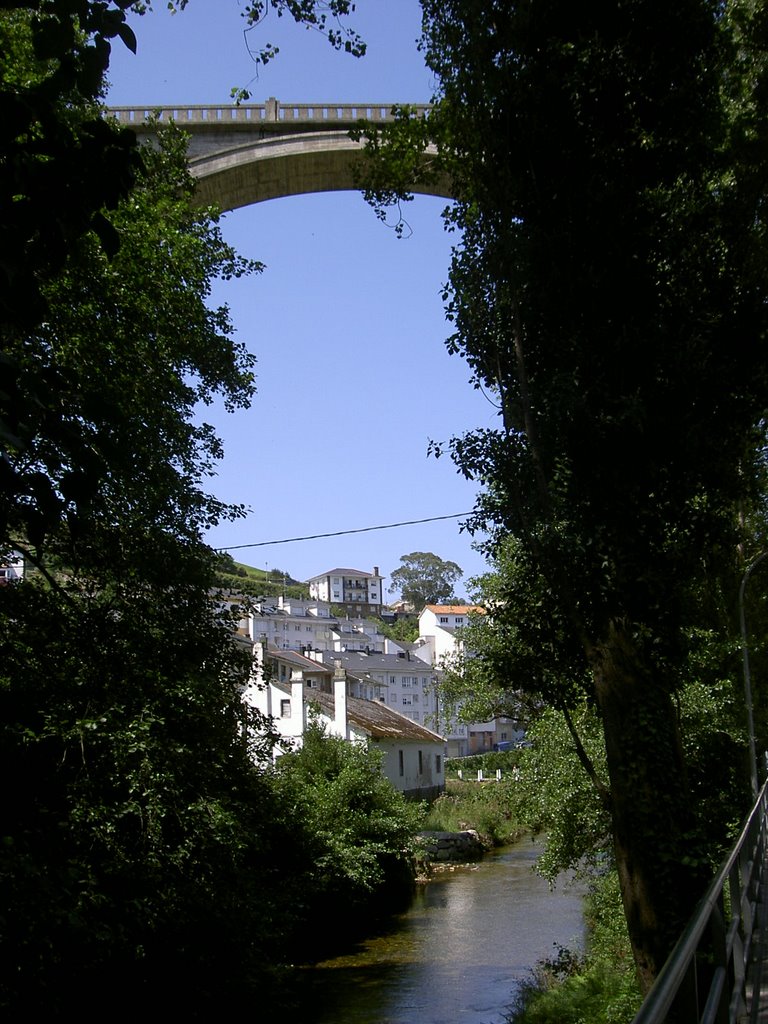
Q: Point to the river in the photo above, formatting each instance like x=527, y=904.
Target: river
x=456, y=956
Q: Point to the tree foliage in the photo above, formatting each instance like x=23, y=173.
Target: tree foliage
x=609, y=288
x=424, y=578
x=145, y=848
x=404, y=630
x=361, y=829
x=64, y=168
x=118, y=670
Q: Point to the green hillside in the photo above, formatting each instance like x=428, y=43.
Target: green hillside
x=247, y=579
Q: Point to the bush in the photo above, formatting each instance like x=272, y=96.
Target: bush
x=492, y=808
x=358, y=830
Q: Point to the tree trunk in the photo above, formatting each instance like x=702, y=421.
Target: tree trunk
x=660, y=873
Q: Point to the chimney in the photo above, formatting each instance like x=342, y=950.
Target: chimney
x=260, y=673
x=375, y=570
x=340, y=701
x=297, y=700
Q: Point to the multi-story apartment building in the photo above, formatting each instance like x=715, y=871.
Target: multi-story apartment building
x=292, y=625
x=358, y=593
x=404, y=683
x=11, y=567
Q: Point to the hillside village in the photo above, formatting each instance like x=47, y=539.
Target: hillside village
x=326, y=657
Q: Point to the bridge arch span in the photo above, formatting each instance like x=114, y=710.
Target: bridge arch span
x=277, y=167
x=245, y=155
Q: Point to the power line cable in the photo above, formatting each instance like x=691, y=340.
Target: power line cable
x=341, y=533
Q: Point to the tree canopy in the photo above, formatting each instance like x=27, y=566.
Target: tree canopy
x=142, y=826
x=63, y=169
x=424, y=578
x=608, y=286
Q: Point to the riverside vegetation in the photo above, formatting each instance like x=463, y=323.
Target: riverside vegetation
x=140, y=832
x=598, y=984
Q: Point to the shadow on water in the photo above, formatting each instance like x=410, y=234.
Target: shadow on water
x=455, y=956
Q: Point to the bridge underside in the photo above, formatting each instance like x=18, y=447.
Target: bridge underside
x=253, y=172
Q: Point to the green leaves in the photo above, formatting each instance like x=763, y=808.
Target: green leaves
x=360, y=826
x=609, y=290
x=425, y=578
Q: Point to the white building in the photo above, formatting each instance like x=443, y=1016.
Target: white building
x=358, y=593
x=290, y=689
x=438, y=625
x=440, y=629
x=358, y=635
x=402, y=682
x=292, y=625
x=11, y=567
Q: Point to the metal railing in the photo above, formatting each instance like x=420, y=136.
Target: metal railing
x=719, y=942
x=262, y=115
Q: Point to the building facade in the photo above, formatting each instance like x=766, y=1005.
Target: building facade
x=358, y=593
x=293, y=690
x=402, y=682
x=440, y=629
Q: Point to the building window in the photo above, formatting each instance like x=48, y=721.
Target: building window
x=421, y=763
x=407, y=699
x=285, y=708
x=459, y=620
x=444, y=619
x=415, y=716
x=415, y=698
x=503, y=736
x=406, y=682
x=401, y=763
x=438, y=764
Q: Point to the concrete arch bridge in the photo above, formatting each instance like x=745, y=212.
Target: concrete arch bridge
x=253, y=152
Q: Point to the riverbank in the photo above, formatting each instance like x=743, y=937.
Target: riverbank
x=466, y=942
x=494, y=809
x=596, y=985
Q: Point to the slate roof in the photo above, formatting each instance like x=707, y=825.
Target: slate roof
x=377, y=719
x=359, y=661
x=341, y=572
x=298, y=661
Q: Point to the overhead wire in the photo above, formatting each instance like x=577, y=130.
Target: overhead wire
x=341, y=533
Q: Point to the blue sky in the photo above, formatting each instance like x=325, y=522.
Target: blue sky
x=343, y=307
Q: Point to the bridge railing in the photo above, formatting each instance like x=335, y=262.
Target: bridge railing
x=272, y=113
x=706, y=978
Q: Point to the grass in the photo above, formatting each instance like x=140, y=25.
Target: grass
x=491, y=808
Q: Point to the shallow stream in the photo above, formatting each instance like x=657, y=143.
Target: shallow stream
x=457, y=955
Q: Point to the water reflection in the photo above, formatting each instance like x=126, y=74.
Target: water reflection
x=455, y=956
